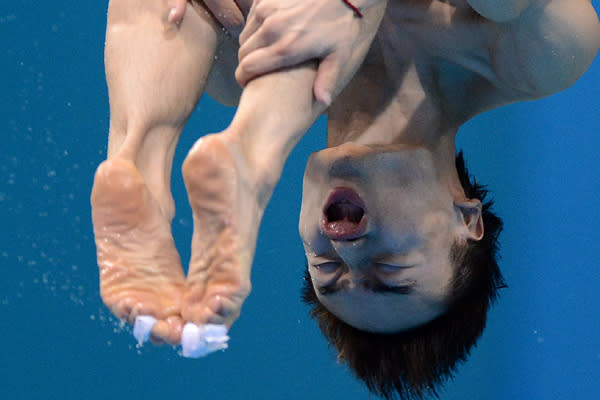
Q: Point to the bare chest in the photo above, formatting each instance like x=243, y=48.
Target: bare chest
x=427, y=31
x=424, y=69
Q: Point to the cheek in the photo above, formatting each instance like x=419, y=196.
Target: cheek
x=437, y=227
x=308, y=228
x=437, y=272
x=315, y=244
x=435, y=284
x=436, y=275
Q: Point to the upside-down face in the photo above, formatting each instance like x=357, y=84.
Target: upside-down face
x=377, y=226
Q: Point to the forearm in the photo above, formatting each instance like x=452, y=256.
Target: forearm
x=500, y=10
x=363, y=4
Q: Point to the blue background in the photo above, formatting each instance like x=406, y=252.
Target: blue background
x=57, y=341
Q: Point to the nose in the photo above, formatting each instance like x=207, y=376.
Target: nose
x=356, y=262
x=354, y=254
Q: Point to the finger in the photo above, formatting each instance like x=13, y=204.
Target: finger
x=177, y=11
x=259, y=39
x=227, y=13
x=262, y=61
x=256, y=19
x=253, y=23
x=327, y=76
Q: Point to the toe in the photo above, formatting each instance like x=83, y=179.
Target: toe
x=168, y=330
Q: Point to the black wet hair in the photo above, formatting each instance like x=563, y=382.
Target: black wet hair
x=415, y=363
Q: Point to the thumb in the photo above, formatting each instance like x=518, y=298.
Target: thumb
x=327, y=75
x=177, y=11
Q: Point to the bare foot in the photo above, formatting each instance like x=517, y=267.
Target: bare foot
x=226, y=221
x=140, y=269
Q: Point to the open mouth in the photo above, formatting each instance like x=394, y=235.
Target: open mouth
x=344, y=215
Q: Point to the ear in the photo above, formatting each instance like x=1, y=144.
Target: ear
x=469, y=218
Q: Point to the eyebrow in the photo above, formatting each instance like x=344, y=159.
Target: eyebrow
x=372, y=285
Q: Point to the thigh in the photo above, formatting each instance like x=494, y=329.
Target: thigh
x=156, y=71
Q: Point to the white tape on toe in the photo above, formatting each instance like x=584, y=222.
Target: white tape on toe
x=199, y=341
x=142, y=328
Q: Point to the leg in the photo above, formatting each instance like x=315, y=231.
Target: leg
x=230, y=177
x=156, y=72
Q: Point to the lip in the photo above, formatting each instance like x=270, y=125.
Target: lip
x=344, y=229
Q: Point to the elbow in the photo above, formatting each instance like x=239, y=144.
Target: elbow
x=567, y=41
x=570, y=60
x=590, y=37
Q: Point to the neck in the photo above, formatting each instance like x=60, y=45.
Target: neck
x=391, y=99
x=372, y=110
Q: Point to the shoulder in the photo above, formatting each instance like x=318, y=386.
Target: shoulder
x=547, y=47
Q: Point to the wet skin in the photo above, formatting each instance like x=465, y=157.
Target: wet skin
x=132, y=206
x=393, y=273
x=433, y=66
x=157, y=67
x=140, y=269
x=412, y=90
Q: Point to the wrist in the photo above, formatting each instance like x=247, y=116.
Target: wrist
x=364, y=4
x=354, y=8
x=360, y=6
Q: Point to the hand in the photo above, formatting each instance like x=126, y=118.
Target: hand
x=284, y=33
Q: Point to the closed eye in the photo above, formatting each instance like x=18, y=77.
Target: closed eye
x=327, y=267
x=390, y=268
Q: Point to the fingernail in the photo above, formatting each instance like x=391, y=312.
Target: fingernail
x=171, y=17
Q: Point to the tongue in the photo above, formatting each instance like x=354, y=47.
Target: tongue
x=344, y=213
x=344, y=217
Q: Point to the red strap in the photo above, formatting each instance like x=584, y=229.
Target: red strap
x=354, y=8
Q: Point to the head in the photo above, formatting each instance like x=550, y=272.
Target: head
x=400, y=269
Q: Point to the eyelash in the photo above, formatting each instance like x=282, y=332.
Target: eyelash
x=388, y=269
x=332, y=266
x=328, y=267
